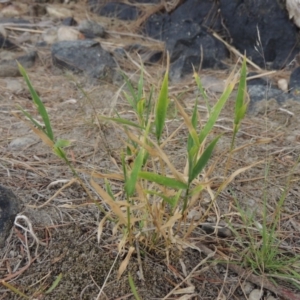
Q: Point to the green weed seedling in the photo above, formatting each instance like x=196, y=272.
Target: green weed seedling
x=157, y=196
x=44, y=131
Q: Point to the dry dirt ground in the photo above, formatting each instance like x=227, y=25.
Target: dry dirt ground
x=65, y=222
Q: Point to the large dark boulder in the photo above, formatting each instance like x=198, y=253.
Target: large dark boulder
x=262, y=29
x=185, y=32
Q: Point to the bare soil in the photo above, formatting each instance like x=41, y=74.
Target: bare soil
x=66, y=221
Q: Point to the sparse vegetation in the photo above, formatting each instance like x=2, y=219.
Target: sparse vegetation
x=153, y=204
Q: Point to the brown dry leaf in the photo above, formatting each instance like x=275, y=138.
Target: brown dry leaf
x=125, y=262
x=38, y=132
x=42, y=136
x=107, y=199
x=172, y=220
x=113, y=176
x=100, y=228
x=236, y=173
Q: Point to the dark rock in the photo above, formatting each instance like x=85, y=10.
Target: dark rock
x=277, y=35
x=91, y=29
x=119, y=53
x=256, y=81
x=84, y=56
x=202, y=12
x=41, y=44
x=260, y=92
x=187, y=49
x=148, y=56
x=121, y=11
x=9, y=68
x=70, y=21
x=7, y=44
x=187, y=38
x=10, y=206
x=294, y=83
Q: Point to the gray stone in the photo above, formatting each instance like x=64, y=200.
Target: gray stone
x=91, y=29
x=21, y=143
x=10, y=206
x=9, y=68
x=84, y=56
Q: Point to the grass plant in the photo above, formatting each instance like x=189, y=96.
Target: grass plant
x=156, y=197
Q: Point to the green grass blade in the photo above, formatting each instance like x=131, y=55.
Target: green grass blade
x=215, y=113
x=14, y=290
x=40, y=106
x=163, y=180
x=133, y=288
x=37, y=124
x=108, y=189
x=203, y=160
x=61, y=143
x=131, y=181
x=170, y=200
x=194, y=122
x=140, y=87
x=161, y=107
x=202, y=91
x=240, y=108
x=132, y=101
x=54, y=284
x=129, y=100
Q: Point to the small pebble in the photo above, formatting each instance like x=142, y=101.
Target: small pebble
x=255, y=295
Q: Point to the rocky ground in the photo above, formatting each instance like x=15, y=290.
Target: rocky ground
x=60, y=222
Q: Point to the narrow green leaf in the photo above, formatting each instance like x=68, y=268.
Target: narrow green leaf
x=133, y=288
x=62, y=143
x=140, y=87
x=54, y=284
x=215, y=113
x=202, y=91
x=131, y=181
x=140, y=109
x=59, y=152
x=40, y=106
x=129, y=100
x=37, y=124
x=124, y=167
x=203, y=160
x=163, y=180
x=108, y=188
x=161, y=107
x=240, y=107
x=172, y=201
x=133, y=100
x=191, y=142
x=14, y=290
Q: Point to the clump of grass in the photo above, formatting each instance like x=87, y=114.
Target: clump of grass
x=260, y=243
x=156, y=196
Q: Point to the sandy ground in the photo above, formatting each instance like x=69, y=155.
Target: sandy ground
x=66, y=221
